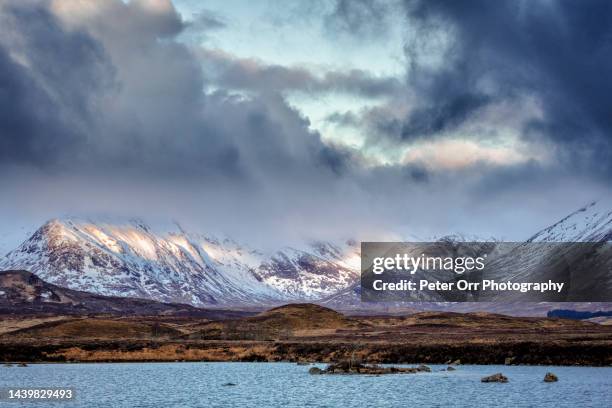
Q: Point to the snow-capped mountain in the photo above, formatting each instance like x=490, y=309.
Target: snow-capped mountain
x=131, y=260
x=520, y=262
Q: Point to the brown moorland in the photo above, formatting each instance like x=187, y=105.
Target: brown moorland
x=306, y=332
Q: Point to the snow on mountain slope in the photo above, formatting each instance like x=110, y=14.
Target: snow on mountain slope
x=577, y=262
x=298, y=273
x=131, y=260
x=591, y=223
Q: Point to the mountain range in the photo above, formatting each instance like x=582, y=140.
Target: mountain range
x=132, y=260
x=591, y=223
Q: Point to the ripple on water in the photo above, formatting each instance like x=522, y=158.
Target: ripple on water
x=288, y=385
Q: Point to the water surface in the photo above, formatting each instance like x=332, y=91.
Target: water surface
x=288, y=385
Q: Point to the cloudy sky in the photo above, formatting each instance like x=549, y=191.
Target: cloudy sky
x=275, y=121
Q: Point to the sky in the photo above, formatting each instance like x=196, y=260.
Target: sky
x=275, y=122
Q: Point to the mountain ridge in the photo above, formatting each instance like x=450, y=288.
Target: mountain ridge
x=131, y=260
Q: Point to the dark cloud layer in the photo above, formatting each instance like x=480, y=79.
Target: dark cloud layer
x=46, y=98
x=559, y=52
x=108, y=96
x=361, y=18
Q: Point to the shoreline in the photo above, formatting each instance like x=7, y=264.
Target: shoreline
x=307, y=364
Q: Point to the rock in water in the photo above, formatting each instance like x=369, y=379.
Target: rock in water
x=424, y=368
x=550, y=377
x=23, y=365
x=229, y=384
x=315, y=370
x=499, y=377
x=450, y=368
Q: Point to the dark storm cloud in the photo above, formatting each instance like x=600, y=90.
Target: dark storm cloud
x=560, y=52
x=103, y=95
x=362, y=18
x=251, y=74
x=446, y=114
x=42, y=124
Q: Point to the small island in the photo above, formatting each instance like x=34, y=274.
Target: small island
x=347, y=367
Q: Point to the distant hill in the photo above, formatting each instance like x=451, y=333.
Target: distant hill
x=578, y=315
x=278, y=323
x=95, y=329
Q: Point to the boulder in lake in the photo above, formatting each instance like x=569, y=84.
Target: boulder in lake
x=424, y=368
x=550, y=377
x=499, y=377
x=450, y=368
x=315, y=371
